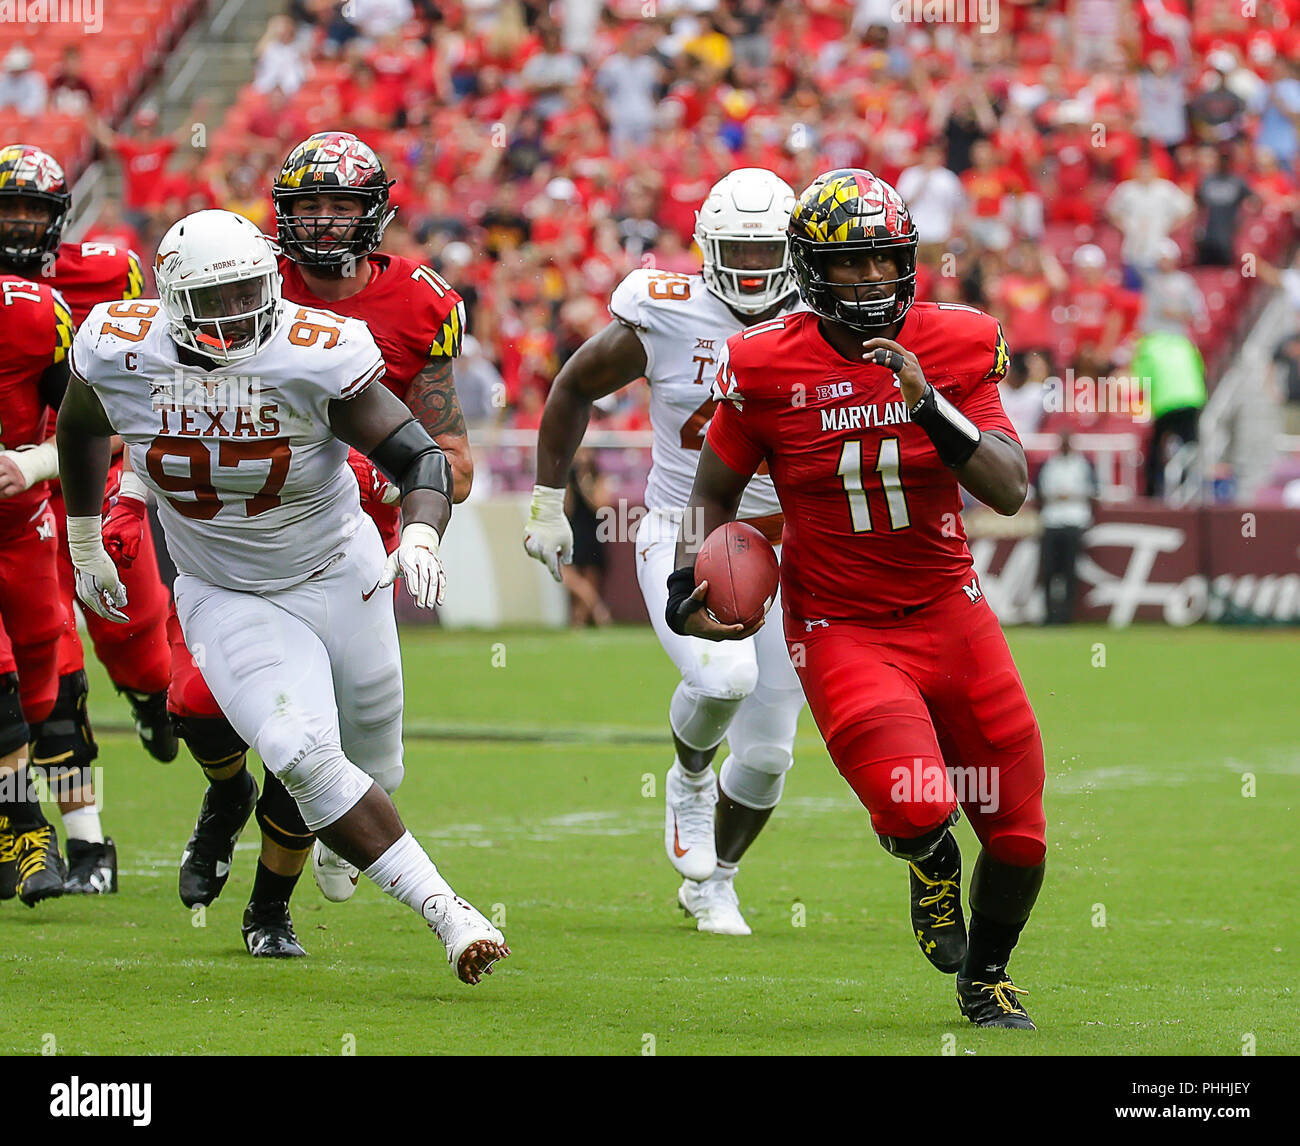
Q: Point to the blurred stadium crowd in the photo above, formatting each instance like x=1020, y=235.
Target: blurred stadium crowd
x=1091, y=172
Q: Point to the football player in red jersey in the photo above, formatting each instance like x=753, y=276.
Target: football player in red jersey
x=871, y=413
x=36, y=331
x=332, y=206
x=34, y=203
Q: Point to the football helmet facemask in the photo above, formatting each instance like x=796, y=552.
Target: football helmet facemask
x=30, y=174
x=219, y=285
x=741, y=232
x=853, y=210
x=335, y=163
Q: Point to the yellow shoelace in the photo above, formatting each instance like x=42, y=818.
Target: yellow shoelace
x=8, y=844
x=1000, y=994
x=32, y=855
x=947, y=888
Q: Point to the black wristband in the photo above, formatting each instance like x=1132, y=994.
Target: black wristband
x=681, y=584
x=954, y=435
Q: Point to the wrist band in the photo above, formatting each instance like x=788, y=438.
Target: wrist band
x=954, y=435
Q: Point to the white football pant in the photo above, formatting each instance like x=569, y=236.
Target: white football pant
x=747, y=691
x=310, y=676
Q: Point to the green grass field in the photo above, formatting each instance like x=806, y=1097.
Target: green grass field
x=525, y=781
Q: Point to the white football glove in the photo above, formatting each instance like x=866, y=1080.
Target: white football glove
x=548, y=536
x=416, y=562
x=99, y=587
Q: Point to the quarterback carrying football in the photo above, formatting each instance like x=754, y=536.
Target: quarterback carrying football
x=871, y=412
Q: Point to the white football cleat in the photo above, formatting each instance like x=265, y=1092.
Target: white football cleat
x=336, y=878
x=472, y=943
x=714, y=905
x=688, y=823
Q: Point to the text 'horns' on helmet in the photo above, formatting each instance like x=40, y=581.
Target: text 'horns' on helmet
x=741, y=232
x=853, y=210
x=336, y=163
x=219, y=285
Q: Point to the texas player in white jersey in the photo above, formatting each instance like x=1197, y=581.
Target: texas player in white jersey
x=671, y=329
x=237, y=410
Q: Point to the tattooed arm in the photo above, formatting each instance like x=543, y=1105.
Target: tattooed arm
x=432, y=399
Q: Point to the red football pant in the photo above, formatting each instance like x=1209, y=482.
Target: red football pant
x=925, y=712
x=34, y=614
x=188, y=694
x=135, y=654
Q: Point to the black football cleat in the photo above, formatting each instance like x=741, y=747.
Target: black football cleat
x=92, y=868
x=993, y=1004
x=154, y=724
x=268, y=932
x=8, y=860
x=937, y=920
x=205, y=863
x=40, y=866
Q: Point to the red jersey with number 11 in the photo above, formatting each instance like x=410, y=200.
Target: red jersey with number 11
x=872, y=516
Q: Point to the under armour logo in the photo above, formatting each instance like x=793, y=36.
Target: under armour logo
x=808, y=626
x=45, y=530
x=973, y=589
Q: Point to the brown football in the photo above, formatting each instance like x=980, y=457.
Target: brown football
x=742, y=571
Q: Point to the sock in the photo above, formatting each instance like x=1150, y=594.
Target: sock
x=943, y=861
x=406, y=872
x=268, y=887
x=989, y=947
x=83, y=824
x=695, y=780
x=234, y=788
x=724, y=870
x=21, y=805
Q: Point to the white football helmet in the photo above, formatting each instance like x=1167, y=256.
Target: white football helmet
x=741, y=232
x=219, y=285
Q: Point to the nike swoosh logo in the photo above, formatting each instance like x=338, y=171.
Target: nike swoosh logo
x=393, y=884
x=677, y=843
x=223, y=869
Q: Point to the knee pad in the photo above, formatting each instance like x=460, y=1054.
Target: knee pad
x=388, y=776
x=699, y=721
x=759, y=780
x=323, y=782
x=921, y=847
x=63, y=743
x=211, y=740
x=14, y=732
x=279, y=817
x=1017, y=849
x=721, y=672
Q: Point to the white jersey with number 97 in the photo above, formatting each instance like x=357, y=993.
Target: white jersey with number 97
x=253, y=488
x=684, y=329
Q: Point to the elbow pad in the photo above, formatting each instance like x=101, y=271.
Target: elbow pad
x=410, y=459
